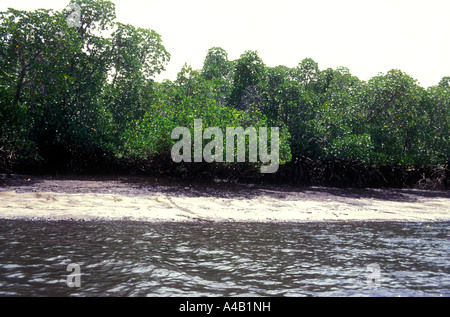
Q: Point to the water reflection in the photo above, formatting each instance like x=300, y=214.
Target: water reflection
x=228, y=259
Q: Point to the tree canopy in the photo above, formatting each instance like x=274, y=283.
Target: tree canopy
x=75, y=93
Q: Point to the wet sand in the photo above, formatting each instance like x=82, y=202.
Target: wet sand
x=157, y=200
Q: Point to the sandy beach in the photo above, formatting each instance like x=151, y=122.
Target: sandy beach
x=145, y=199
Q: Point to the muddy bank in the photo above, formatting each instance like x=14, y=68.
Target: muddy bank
x=153, y=199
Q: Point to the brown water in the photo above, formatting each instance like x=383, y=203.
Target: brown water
x=225, y=259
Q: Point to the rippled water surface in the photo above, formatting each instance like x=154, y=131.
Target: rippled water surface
x=227, y=259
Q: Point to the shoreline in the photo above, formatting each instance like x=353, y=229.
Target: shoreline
x=153, y=200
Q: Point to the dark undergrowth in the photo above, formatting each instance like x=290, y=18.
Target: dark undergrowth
x=301, y=171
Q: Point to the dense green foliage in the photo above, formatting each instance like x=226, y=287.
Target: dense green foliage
x=72, y=97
